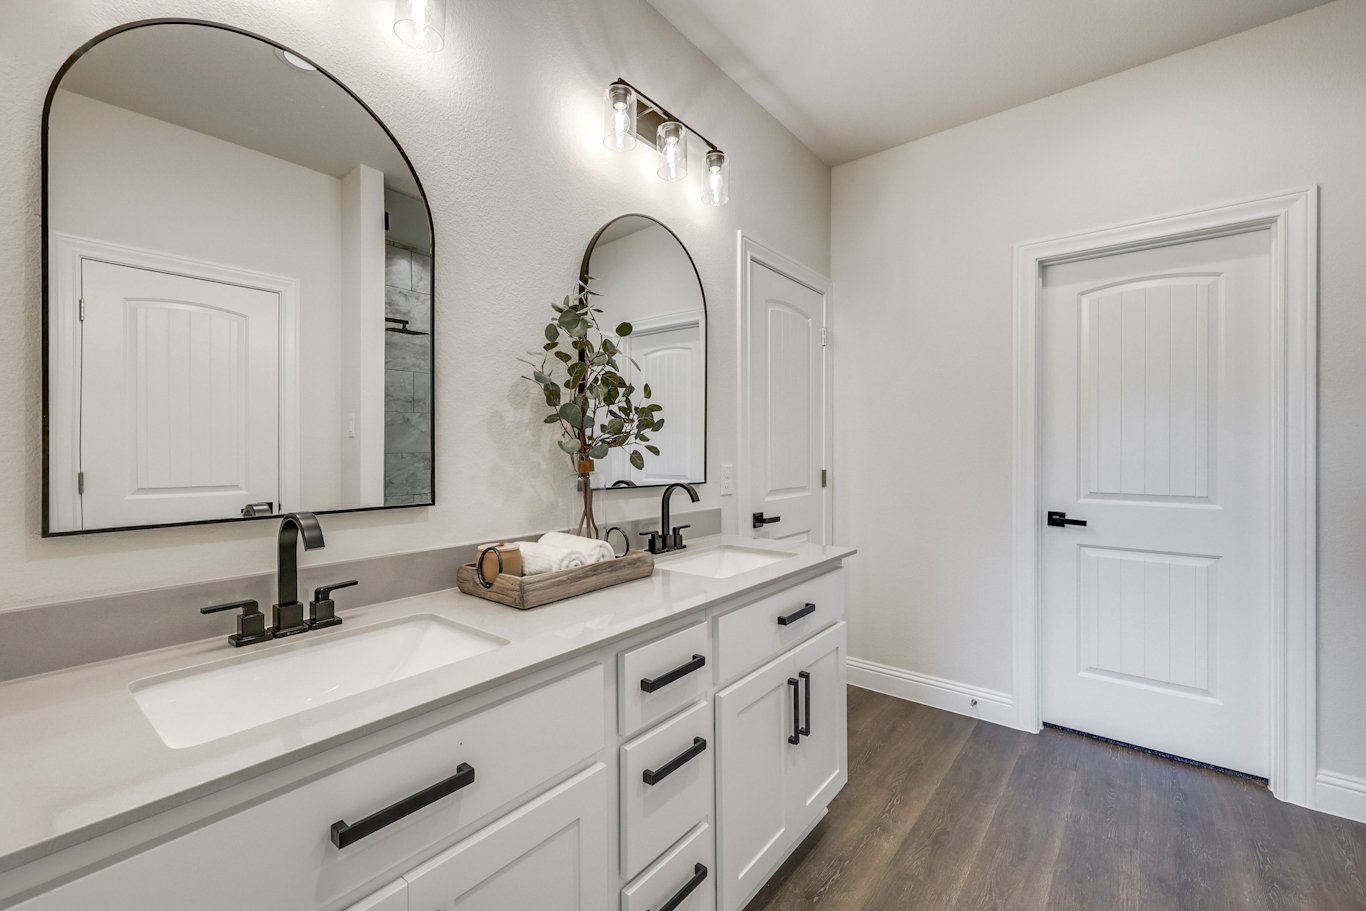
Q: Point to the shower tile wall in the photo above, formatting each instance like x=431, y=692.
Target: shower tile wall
x=407, y=378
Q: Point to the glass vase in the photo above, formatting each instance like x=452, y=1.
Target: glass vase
x=587, y=521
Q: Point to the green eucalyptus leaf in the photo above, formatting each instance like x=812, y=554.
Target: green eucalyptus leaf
x=624, y=329
x=552, y=419
x=569, y=446
x=654, y=450
x=552, y=334
x=571, y=413
x=564, y=356
x=646, y=390
x=599, y=451
x=637, y=459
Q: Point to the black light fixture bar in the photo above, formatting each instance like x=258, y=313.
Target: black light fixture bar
x=665, y=114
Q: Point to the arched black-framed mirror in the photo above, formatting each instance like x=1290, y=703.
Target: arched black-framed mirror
x=645, y=275
x=238, y=288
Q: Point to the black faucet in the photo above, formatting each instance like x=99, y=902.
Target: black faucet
x=288, y=612
x=669, y=539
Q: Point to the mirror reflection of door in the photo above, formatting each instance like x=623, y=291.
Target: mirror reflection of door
x=179, y=412
x=644, y=276
x=204, y=154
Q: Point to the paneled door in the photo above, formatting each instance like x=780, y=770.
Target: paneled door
x=179, y=397
x=1156, y=422
x=673, y=361
x=786, y=405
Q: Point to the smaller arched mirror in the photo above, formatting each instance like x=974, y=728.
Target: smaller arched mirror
x=645, y=276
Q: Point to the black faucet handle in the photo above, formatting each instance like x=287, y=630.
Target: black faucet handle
x=251, y=623
x=324, y=592
x=678, y=528
x=322, y=610
x=656, y=538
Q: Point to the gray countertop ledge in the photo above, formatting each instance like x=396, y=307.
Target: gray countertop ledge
x=79, y=759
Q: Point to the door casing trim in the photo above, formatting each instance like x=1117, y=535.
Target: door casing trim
x=752, y=251
x=1292, y=219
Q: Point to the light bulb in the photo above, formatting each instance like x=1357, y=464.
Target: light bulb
x=672, y=141
x=421, y=23
x=620, y=132
x=716, y=179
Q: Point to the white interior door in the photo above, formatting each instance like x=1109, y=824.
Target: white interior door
x=673, y=362
x=179, y=397
x=786, y=400
x=1156, y=424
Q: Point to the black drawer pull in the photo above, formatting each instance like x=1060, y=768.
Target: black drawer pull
x=650, y=684
x=699, y=873
x=344, y=835
x=805, y=730
x=655, y=776
x=797, y=614
x=796, y=736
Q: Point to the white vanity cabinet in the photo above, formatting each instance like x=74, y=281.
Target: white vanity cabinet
x=682, y=781
x=781, y=758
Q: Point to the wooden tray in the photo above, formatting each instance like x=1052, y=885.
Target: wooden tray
x=526, y=592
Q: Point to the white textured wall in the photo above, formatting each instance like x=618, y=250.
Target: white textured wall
x=504, y=128
x=922, y=243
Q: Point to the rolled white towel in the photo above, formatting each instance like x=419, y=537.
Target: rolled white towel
x=540, y=558
x=596, y=551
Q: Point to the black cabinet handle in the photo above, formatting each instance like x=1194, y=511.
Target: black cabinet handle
x=805, y=730
x=653, y=777
x=344, y=835
x=797, y=614
x=699, y=873
x=650, y=684
x=796, y=736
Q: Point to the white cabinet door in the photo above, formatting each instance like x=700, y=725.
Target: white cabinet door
x=819, y=765
x=773, y=781
x=550, y=855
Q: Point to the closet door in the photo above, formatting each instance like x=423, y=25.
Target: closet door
x=550, y=855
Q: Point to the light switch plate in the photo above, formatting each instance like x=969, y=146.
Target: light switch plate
x=727, y=480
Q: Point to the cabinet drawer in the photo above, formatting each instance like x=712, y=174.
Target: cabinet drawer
x=687, y=870
x=751, y=635
x=393, y=897
x=279, y=854
x=660, y=677
x=677, y=757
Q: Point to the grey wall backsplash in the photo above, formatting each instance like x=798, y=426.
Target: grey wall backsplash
x=51, y=637
x=407, y=378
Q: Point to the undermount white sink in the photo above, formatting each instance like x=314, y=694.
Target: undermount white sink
x=191, y=707
x=722, y=562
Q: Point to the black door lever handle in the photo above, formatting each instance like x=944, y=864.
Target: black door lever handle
x=1060, y=520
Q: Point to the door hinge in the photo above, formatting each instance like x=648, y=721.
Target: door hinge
x=80, y=483
x=824, y=477
x=82, y=309
x=825, y=336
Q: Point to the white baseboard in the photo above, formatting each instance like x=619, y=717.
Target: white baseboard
x=1341, y=795
x=993, y=706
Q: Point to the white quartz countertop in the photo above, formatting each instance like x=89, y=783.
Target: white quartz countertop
x=78, y=758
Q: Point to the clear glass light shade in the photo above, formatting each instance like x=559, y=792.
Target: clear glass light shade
x=619, y=114
x=716, y=179
x=672, y=141
x=421, y=23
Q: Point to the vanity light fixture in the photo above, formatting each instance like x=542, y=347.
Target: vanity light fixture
x=630, y=114
x=421, y=23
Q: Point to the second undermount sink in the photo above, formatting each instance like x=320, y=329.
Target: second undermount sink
x=191, y=707
x=722, y=562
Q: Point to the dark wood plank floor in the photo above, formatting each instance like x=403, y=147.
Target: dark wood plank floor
x=942, y=811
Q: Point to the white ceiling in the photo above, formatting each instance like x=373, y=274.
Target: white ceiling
x=853, y=77
x=235, y=88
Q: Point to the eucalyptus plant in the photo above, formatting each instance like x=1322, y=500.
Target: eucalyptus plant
x=596, y=406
